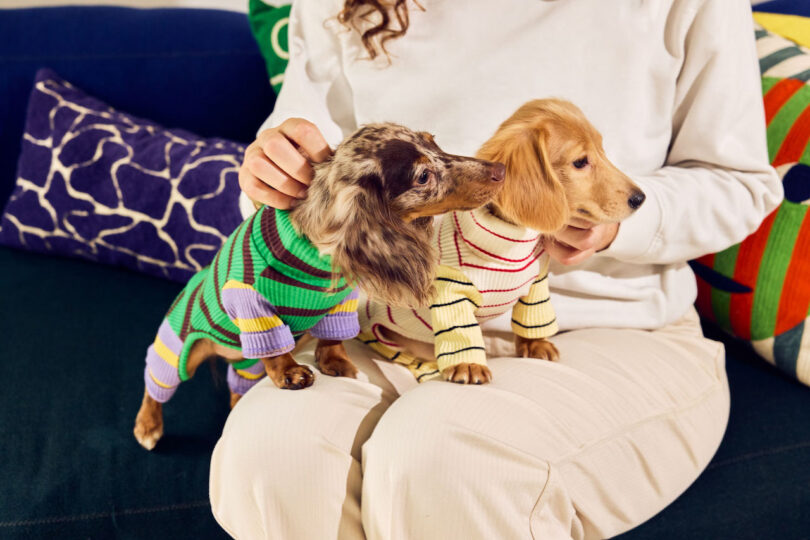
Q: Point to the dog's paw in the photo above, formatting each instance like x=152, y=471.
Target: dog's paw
x=333, y=361
x=337, y=367
x=148, y=433
x=467, y=374
x=295, y=378
x=536, y=348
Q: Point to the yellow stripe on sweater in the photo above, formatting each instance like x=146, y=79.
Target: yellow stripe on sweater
x=157, y=382
x=165, y=352
x=347, y=307
x=233, y=284
x=249, y=375
x=257, y=324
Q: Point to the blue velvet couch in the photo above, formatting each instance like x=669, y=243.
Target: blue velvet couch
x=71, y=358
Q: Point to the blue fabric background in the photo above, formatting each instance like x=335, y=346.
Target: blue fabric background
x=198, y=70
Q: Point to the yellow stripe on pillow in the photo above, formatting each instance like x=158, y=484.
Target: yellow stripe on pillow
x=792, y=27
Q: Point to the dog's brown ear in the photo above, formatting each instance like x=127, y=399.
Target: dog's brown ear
x=532, y=195
x=393, y=261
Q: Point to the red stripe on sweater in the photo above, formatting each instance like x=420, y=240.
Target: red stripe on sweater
x=458, y=250
x=374, y=331
x=461, y=233
x=778, y=95
x=440, y=243
x=535, y=239
x=502, y=270
x=509, y=290
x=795, y=141
x=415, y=314
x=499, y=305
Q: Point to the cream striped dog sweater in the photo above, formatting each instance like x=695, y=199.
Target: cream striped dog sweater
x=486, y=267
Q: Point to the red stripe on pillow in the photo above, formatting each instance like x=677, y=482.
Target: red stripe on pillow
x=745, y=272
x=778, y=96
x=795, y=142
x=795, y=300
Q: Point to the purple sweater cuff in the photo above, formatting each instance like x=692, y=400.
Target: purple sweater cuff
x=337, y=327
x=273, y=342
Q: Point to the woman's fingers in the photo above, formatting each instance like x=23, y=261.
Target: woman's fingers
x=260, y=166
x=276, y=169
x=260, y=192
x=306, y=135
x=572, y=245
x=578, y=238
x=565, y=254
x=279, y=150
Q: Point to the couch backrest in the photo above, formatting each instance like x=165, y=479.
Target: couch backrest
x=195, y=69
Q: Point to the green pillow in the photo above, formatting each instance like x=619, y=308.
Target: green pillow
x=269, y=20
x=759, y=289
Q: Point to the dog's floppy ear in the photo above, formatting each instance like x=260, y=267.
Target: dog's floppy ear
x=393, y=261
x=533, y=195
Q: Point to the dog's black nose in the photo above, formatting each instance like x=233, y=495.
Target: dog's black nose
x=498, y=172
x=636, y=200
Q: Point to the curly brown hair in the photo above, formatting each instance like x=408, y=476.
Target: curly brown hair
x=375, y=38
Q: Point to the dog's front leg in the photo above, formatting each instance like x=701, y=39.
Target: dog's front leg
x=332, y=359
x=458, y=342
x=536, y=348
x=286, y=373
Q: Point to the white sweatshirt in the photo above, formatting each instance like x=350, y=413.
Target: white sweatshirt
x=672, y=85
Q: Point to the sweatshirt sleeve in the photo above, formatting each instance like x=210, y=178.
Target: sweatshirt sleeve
x=716, y=185
x=314, y=86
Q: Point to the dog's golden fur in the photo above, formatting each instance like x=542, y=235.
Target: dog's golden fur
x=541, y=145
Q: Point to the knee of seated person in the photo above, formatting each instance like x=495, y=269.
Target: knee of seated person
x=420, y=437
x=271, y=431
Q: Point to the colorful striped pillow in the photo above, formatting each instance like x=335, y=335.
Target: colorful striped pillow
x=759, y=290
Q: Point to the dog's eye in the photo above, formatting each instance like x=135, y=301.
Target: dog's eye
x=581, y=162
x=423, y=178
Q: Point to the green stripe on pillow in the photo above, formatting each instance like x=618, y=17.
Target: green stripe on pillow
x=773, y=269
x=768, y=83
x=784, y=120
x=724, y=262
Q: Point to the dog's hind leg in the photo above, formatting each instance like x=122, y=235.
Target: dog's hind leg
x=161, y=382
x=149, y=422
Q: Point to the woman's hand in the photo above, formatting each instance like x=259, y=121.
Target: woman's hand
x=276, y=170
x=579, y=240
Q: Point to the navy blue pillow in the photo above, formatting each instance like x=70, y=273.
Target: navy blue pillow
x=100, y=184
x=194, y=69
x=787, y=7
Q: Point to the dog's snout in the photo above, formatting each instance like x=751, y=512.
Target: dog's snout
x=636, y=199
x=498, y=172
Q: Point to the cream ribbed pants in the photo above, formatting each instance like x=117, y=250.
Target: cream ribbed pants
x=587, y=447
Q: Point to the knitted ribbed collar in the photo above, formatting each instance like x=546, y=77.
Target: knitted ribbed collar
x=490, y=237
x=275, y=238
